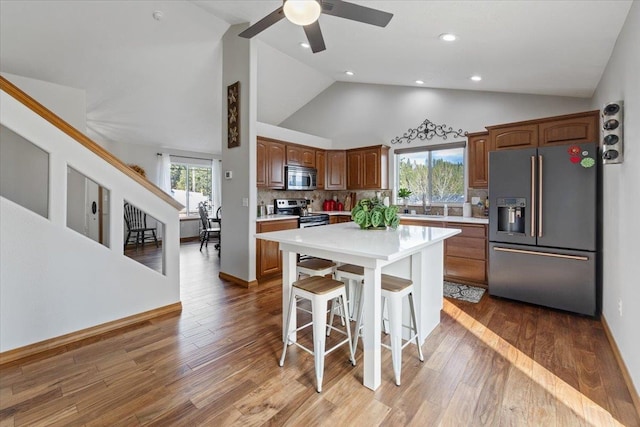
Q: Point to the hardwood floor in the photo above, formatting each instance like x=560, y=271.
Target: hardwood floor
x=495, y=363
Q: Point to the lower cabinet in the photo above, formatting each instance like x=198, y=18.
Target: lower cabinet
x=465, y=254
x=268, y=256
x=335, y=219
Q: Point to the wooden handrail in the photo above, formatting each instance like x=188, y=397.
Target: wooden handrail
x=78, y=136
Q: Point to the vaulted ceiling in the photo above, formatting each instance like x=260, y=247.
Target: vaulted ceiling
x=158, y=82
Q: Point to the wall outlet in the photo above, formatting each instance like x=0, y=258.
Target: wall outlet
x=620, y=307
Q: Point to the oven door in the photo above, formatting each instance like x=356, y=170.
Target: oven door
x=311, y=224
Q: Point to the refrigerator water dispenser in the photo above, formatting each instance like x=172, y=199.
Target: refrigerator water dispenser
x=511, y=215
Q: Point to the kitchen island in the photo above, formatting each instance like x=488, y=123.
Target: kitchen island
x=413, y=252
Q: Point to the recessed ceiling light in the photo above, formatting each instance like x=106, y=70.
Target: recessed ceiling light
x=305, y=45
x=448, y=37
x=349, y=73
x=420, y=82
x=476, y=78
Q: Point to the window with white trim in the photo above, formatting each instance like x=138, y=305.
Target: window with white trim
x=434, y=174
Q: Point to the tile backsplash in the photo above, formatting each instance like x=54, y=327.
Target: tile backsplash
x=317, y=197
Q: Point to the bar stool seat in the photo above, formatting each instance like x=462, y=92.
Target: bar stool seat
x=315, y=267
x=319, y=290
x=393, y=290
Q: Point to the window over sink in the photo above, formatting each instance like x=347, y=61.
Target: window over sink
x=434, y=174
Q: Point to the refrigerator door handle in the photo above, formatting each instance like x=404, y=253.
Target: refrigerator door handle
x=540, y=196
x=533, y=196
x=547, y=254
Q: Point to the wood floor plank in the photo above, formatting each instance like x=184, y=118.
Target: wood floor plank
x=497, y=362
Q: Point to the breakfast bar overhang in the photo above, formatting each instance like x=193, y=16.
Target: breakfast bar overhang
x=413, y=252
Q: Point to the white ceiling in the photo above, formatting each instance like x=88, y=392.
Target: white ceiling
x=159, y=82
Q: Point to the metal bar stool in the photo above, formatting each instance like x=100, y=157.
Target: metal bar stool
x=319, y=290
x=316, y=267
x=394, y=289
x=354, y=275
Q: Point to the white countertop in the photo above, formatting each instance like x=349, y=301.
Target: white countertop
x=460, y=219
x=348, y=238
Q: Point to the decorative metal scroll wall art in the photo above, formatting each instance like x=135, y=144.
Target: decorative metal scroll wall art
x=428, y=130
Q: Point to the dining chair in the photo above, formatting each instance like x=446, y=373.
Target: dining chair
x=207, y=228
x=136, y=222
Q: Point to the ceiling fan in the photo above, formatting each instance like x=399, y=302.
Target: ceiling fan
x=306, y=12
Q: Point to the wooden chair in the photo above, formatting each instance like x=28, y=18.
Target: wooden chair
x=136, y=221
x=207, y=229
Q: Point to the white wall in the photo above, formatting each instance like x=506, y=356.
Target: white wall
x=283, y=134
x=53, y=280
x=238, y=244
x=622, y=198
x=353, y=115
x=284, y=84
x=68, y=103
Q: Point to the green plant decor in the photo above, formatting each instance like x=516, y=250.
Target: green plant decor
x=373, y=214
x=403, y=193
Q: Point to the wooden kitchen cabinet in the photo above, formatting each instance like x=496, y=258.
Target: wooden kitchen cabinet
x=301, y=156
x=320, y=166
x=505, y=137
x=336, y=170
x=270, y=163
x=368, y=168
x=465, y=254
x=478, y=159
x=573, y=129
x=268, y=256
x=558, y=130
x=336, y=219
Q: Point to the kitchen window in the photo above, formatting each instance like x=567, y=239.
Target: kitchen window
x=434, y=174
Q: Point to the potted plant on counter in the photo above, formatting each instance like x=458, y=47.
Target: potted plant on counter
x=372, y=214
x=404, y=194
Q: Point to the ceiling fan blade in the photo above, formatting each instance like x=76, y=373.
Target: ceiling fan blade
x=263, y=24
x=314, y=35
x=356, y=12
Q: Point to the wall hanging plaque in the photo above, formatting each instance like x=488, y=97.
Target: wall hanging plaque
x=233, y=115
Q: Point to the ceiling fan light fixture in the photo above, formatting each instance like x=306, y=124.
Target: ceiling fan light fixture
x=302, y=12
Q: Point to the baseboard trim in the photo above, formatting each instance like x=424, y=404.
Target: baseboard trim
x=237, y=281
x=65, y=342
x=623, y=367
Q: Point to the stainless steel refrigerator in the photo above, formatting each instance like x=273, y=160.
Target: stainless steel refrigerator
x=543, y=226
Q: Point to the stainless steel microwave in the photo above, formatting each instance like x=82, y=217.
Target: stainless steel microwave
x=300, y=177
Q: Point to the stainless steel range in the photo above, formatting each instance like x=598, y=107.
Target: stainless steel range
x=299, y=207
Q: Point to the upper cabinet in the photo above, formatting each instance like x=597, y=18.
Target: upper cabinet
x=573, y=129
x=358, y=169
x=368, y=168
x=513, y=136
x=271, y=157
x=320, y=166
x=301, y=156
x=559, y=130
x=478, y=159
x=336, y=170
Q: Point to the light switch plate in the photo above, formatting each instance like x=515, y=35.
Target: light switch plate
x=228, y=174
x=245, y=201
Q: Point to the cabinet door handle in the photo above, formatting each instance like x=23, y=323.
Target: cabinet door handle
x=548, y=254
x=533, y=196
